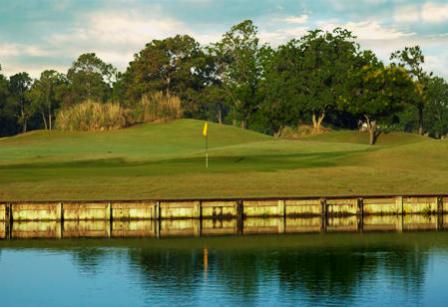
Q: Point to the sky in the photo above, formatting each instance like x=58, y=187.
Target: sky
x=50, y=34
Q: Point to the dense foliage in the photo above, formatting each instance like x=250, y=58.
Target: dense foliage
x=322, y=78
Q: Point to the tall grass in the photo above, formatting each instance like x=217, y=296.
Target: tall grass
x=91, y=116
x=94, y=116
x=158, y=107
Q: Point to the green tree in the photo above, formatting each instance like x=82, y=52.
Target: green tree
x=90, y=78
x=239, y=67
x=19, y=86
x=436, y=111
x=214, y=103
x=308, y=76
x=46, y=95
x=284, y=100
x=175, y=65
x=8, y=119
x=328, y=60
x=378, y=93
x=412, y=59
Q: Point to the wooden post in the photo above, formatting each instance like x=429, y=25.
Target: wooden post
x=62, y=220
x=282, y=214
x=157, y=219
x=8, y=221
x=400, y=222
x=360, y=214
x=324, y=206
x=440, y=213
x=111, y=219
x=240, y=217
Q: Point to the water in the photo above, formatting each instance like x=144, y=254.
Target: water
x=310, y=269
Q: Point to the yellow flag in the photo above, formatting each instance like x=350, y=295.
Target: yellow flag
x=205, y=129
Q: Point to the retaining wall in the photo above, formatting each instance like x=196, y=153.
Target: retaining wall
x=222, y=209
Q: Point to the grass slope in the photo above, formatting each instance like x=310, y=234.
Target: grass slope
x=166, y=161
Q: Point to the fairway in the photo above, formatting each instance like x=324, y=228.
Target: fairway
x=167, y=161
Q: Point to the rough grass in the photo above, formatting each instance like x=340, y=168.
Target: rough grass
x=91, y=116
x=166, y=161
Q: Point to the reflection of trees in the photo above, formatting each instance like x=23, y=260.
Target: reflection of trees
x=408, y=267
x=324, y=272
x=241, y=272
x=88, y=258
x=175, y=269
x=338, y=273
x=317, y=273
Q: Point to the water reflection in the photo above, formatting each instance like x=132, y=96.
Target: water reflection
x=218, y=227
x=321, y=268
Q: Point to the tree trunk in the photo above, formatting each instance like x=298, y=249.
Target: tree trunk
x=219, y=116
x=168, y=84
x=317, y=121
x=373, y=131
x=420, y=120
x=23, y=120
x=45, y=120
x=49, y=121
x=279, y=132
x=243, y=124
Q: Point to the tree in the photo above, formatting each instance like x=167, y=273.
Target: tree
x=327, y=61
x=239, y=68
x=284, y=100
x=90, y=78
x=175, y=65
x=19, y=86
x=436, y=111
x=46, y=95
x=8, y=120
x=308, y=76
x=412, y=59
x=214, y=103
x=378, y=92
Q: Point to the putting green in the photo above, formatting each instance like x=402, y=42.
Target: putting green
x=167, y=161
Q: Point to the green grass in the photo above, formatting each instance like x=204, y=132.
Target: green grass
x=166, y=161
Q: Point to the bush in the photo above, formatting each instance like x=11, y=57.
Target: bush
x=91, y=116
x=157, y=107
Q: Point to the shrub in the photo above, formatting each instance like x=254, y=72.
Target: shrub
x=157, y=107
x=91, y=116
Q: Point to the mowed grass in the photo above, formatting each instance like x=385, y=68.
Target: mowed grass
x=167, y=161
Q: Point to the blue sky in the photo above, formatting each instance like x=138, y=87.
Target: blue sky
x=42, y=34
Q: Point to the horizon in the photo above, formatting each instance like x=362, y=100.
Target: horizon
x=40, y=35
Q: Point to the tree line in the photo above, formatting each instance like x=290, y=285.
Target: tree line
x=322, y=78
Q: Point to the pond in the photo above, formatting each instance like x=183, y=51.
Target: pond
x=409, y=268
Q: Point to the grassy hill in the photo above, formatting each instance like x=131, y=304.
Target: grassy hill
x=166, y=161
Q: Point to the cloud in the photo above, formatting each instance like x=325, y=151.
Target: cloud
x=116, y=36
x=279, y=36
x=435, y=12
x=15, y=65
x=297, y=19
x=407, y=14
x=367, y=30
x=14, y=49
x=427, y=13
